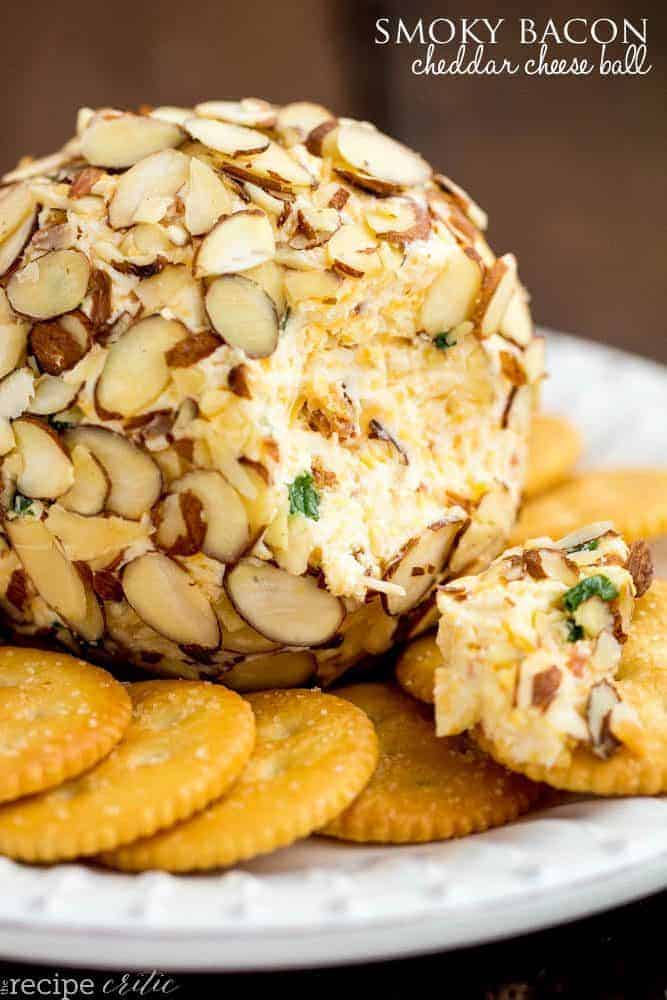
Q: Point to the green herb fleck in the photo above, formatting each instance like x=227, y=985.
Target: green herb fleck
x=591, y=586
x=303, y=497
x=284, y=321
x=589, y=546
x=574, y=631
x=442, y=341
x=23, y=505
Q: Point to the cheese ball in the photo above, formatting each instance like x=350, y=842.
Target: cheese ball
x=531, y=647
x=263, y=386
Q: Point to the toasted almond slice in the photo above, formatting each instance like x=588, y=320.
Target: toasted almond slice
x=205, y=199
x=16, y=205
x=381, y=157
x=399, y=220
x=271, y=277
x=517, y=324
x=247, y=640
x=274, y=168
x=601, y=703
x=498, y=286
x=53, y=575
x=134, y=478
x=223, y=137
x=193, y=348
x=249, y=111
x=51, y=285
x=297, y=120
x=60, y=345
x=91, y=626
x=452, y=295
x=418, y=565
x=353, y=252
x=13, y=337
x=123, y=140
x=90, y=489
x=321, y=140
x=86, y=538
x=224, y=515
x=237, y=243
x=468, y=206
x=144, y=243
x=292, y=610
x=291, y=669
x=47, y=471
x=144, y=192
x=52, y=395
x=323, y=285
x=17, y=390
x=140, y=351
x=175, y=289
x=12, y=248
x=270, y=203
x=173, y=114
x=167, y=599
x=243, y=314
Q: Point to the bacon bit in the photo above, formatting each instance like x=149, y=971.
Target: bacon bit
x=339, y=199
x=237, y=380
x=545, y=685
x=322, y=476
x=17, y=591
x=533, y=564
x=107, y=586
x=85, y=181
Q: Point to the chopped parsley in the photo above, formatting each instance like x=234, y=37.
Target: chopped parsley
x=284, y=321
x=443, y=340
x=23, y=505
x=589, y=546
x=303, y=497
x=591, y=586
x=574, y=631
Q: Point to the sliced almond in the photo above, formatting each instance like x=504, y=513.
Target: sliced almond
x=46, y=472
x=247, y=640
x=243, y=314
x=12, y=248
x=224, y=137
x=249, y=111
x=451, y=297
x=167, y=599
x=175, y=289
x=145, y=243
x=418, y=566
x=16, y=205
x=321, y=140
x=461, y=198
x=60, y=345
x=51, y=285
x=292, y=610
x=498, y=286
x=602, y=700
x=399, y=220
x=193, y=348
x=550, y=564
x=180, y=525
x=517, y=324
x=224, y=515
x=123, y=140
x=173, y=114
x=297, y=120
x=280, y=670
x=272, y=203
x=274, y=169
x=271, y=277
x=13, y=337
x=237, y=243
x=206, y=198
x=17, y=391
x=90, y=489
x=141, y=351
x=91, y=626
x=381, y=157
x=55, y=578
x=323, y=285
x=145, y=192
x=352, y=251
x=87, y=538
x=588, y=533
x=52, y=395
x=134, y=478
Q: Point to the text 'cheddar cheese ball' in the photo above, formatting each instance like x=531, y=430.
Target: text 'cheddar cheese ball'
x=264, y=384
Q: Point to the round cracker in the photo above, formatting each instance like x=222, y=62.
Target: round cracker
x=186, y=743
x=554, y=448
x=635, y=500
x=314, y=754
x=642, y=683
x=416, y=667
x=425, y=788
x=58, y=717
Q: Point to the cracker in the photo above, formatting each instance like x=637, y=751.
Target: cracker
x=314, y=754
x=416, y=667
x=635, y=500
x=58, y=717
x=425, y=788
x=642, y=682
x=186, y=743
x=554, y=448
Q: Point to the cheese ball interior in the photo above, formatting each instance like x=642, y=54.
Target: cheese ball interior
x=263, y=385
x=531, y=647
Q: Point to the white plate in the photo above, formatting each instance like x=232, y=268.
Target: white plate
x=321, y=902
